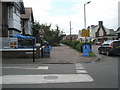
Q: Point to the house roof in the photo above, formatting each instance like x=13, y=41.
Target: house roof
x=112, y=31
x=118, y=30
x=28, y=13
x=17, y=3
x=93, y=26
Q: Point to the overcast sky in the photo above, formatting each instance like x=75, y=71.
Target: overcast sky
x=61, y=12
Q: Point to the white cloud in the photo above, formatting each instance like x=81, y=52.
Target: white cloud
x=97, y=10
x=105, y=10
x=40, y=8
x=11, y=0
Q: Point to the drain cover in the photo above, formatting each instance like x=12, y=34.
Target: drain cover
x=50, y=77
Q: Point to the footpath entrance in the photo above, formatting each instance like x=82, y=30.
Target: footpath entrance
x=65, y=54
x=59, y=55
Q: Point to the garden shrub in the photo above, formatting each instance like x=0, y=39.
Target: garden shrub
x=74, y=43
x=67, y=42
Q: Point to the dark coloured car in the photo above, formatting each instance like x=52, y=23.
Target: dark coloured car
x=110, y=47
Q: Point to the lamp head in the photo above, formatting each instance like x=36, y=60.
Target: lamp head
x=88, y=2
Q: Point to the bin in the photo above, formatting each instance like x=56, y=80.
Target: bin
x=46, y=52
x=86, y=50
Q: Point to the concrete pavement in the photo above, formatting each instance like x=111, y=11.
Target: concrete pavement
x=59, y=55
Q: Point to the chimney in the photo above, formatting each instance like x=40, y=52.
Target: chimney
x=100, y=23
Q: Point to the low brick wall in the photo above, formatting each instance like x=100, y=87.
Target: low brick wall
x=18, y=53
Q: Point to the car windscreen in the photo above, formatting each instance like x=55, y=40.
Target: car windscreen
x=117, y=43
x=105, y=45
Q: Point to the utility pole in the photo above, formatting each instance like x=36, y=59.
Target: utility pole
x=70, y=28
x=70, y=33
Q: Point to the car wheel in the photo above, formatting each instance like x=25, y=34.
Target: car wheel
x=108, y=53
x=99, y=52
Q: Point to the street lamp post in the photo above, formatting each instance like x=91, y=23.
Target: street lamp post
x=85, y=16
x=85, y=13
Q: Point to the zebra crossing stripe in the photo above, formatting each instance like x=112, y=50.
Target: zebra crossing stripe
x=79, y=67
x=78, y=64
x=40, y=67
x=39, y=79
x=43, y=67
x=81, y=71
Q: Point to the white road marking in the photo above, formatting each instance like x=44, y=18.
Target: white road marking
x=1, y=80
x=78, y=64
x=39, y=79
x=81, y=71
x=40, y=67
x=79, y=67
x=43, y=67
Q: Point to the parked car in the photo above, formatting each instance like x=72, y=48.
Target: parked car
x=99, y=43
x=110, y=47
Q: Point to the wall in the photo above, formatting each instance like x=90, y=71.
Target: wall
x=4, y=20
x=17, y=54
x=93, y=31
x=0, y=19
x=28, y=26
x=14, y=19
x=101, y=32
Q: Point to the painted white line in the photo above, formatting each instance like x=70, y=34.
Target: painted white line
x=1, y=80
x=39, y=79
x=81, y=71
x=78, y=64
x=43, y=67
x=40, y=67
x=79, y=67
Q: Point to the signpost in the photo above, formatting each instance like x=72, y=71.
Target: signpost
x=85, y=33
x=33, y=49
x=41, y=33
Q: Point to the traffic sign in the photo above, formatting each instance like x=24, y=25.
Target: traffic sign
x=85, y=33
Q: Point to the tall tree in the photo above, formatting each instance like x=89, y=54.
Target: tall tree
x=50, y=35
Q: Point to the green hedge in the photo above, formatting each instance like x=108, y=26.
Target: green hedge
x=65, y=42
x=74, y=44
x=77, y=45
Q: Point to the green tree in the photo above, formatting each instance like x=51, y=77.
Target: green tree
x=51, y=35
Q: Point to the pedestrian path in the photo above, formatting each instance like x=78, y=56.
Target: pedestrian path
x=80, y=75
x=59, y=55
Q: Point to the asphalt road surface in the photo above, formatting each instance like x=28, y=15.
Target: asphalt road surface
x=101, y=74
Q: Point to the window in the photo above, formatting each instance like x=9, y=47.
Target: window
x=116, y=43
x=10, y=32
x=105, y=45
x=15, y=10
